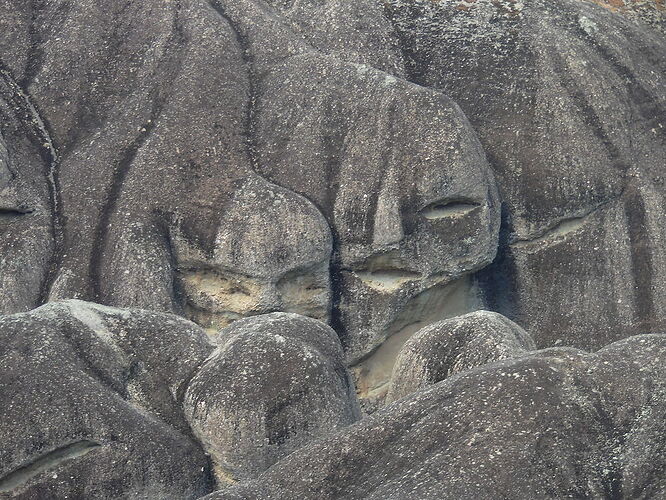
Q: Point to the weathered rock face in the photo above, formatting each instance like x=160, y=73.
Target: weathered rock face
x=181, y=223
x=114, y=85
x=408, y=193
x=421, y=212
x=395, y=168
x=271, y=253
x=314, y=97
x=156, y=212
x=352, y=31
x=27, y=236
x=90, y=404
x=277, y=382
x=650, y=12
x=377, y=165
x=558, y=423
x=445, y=348
x=568, y=101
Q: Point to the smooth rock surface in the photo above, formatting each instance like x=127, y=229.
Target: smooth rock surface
x=442, y=349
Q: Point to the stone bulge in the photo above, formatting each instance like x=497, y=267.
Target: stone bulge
x=332, y=249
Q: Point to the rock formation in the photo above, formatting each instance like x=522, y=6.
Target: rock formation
x=559, y=423
x=443, y=349
x=276, y=382
x=332, y=248
x=91, y=399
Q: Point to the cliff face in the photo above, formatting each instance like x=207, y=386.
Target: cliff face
x=383, y=168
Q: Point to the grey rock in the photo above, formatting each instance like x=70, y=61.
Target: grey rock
x=649, y=12
x=448, y=347
x=90, y=404
x=555, y=424
x=568, y=101
x=420, y=216
x=139, y=189
x=405, y=239
x=352, y=31
x=174, y=218
x=276, y=382
x=271, y=253
x=27, y=226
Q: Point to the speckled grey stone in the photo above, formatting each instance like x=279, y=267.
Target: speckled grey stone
x=277, y=382
x=568, y=100
x=27, y=224
x=90, y=404
x=445, y=348
x=555, y=424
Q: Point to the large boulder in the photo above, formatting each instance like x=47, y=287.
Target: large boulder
x=448, y=347
x=90, y=404
x=276, y=382
x=558, y=423
x=568, y=101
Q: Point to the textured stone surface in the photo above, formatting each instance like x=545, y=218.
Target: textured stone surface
x=278, y=262
x=568, y=101
x=277, y=382
x=421, y=212
x=378, y=165
x=90, y=404
x=27, y=225
x=141, y=156
x=556, y=424
x=650, y=12
x=445, y=348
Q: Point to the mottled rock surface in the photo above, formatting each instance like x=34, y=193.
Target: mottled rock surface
x=379, y=166
x=445, y=348
x=568, y=101
x=349, y=114
x=559, y=423
x=90, y=404
x=276, y=382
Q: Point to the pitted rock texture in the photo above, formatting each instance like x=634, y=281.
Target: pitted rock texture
x=276, y=382
x=90, y=404
x=278, y=262
x=559, y=423
x=445, y=348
